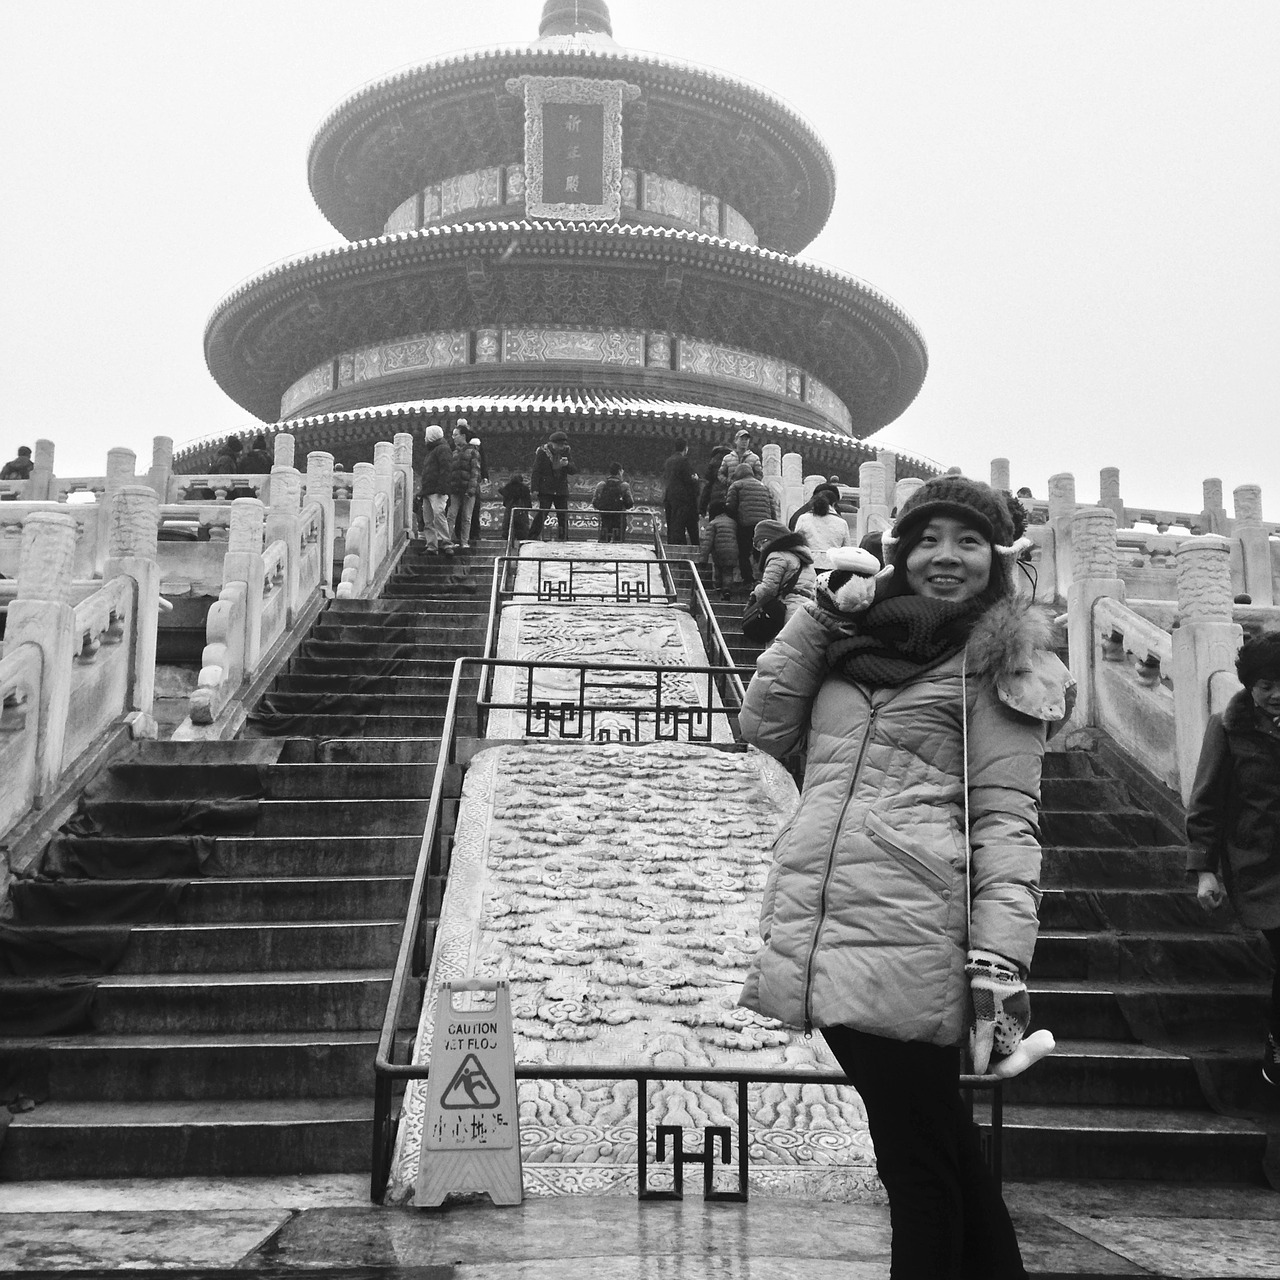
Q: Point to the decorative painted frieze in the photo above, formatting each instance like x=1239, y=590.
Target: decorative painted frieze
x=488, y=346
x=736, y=227
x=515, y=183
x=729, y=363
x=827, y=403
x=478, y=190
x=538, y=345
x=659, y=353
x=710, y=219
x=630, y=189
x=671, y=199
x=311, y=385
x=404, y=217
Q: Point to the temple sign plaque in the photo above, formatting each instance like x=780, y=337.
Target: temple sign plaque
x=471, y=1134
x=573, y=146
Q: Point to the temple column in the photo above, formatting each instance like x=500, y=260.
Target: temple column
x=1205, y=644
x=320, y=489
x=1255, y=545
x=283, y=524
x=131, y=552
x=41, y=614
x=1094, y=575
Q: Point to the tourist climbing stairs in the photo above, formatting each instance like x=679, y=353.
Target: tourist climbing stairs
x=193, y=982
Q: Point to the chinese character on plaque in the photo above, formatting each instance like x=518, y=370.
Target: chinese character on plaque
x=573, y=146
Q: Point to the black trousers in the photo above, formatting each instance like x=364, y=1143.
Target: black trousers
x=746, y=535
x=545, y=502
x=1273, y=941
x=949, y=1222
x=682, y=523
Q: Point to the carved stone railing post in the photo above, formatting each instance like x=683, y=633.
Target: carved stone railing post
x=811, y=483
x=403, y=456
x=771, y=461
x=1109, y=494
x=792, y=485
x=1205, y=642
x=1213, y=519
x=160, y=476
x=121, y=467
x=873, y=509
x=384, y=473
x=1062, y=505
x=903, y=490
x=320, y=489
x=40, y=486
x=131, y=551
x=283, y=523
x=283, y=450
x=889, y=461
x=357, y=563
x=1255, y=545
x=243, y=563
x=1000, y=474
x=42, y=615
x=1094, y=574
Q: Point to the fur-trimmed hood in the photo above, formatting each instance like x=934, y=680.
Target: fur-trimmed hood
x=1013, y=643
x=1241, y=715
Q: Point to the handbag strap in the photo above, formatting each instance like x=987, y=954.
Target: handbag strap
x=788, y=584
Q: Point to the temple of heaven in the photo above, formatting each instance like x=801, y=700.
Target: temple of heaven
x=567, y=235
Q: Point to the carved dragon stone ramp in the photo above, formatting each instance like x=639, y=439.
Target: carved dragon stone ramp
x=617, y=887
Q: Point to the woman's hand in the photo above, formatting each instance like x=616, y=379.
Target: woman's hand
x=1210, y=891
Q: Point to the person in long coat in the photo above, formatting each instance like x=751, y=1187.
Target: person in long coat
x=902, y=900
x=1233, y=817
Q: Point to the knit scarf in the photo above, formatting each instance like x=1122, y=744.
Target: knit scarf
x=899, y=637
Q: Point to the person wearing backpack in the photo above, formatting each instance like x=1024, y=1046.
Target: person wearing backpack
x=612, y=498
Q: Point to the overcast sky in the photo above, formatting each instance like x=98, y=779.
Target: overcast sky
x=1076, y=202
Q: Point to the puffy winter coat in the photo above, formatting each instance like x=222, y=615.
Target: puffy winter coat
x=612, y=494
x=1233, y=818
x=864, y=916
x=732, y=461
x=749, y=502
x=720, y=541
x=776, y=571
x=464, y=474
x=550, y=474
x=436, y=468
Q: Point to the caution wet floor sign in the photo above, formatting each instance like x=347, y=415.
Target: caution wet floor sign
x=471, y=1136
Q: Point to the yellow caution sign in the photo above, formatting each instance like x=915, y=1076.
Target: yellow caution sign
x=471, y=1133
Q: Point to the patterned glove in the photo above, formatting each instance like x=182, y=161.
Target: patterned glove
x=1001, y=1008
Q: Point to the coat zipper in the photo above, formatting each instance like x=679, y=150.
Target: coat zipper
x=831, y=859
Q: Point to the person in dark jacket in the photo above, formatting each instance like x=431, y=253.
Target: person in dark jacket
x=612, y=499
x=20, y=467
x=680, y=496
x=713, y=488
x=552, y=467
x=464, y=484
x=748, y=502
x=257, y=462
x=719, y=547
x=1233, y=818
x=227, y=462
x=784, y=566
x=828, y=492
x=484, y=478
x=433, y=484
x=516, y=499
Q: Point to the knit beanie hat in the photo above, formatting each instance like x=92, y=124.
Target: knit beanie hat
x=977, y=504
x=768, y=531
x=433, y=433
x=745, y=471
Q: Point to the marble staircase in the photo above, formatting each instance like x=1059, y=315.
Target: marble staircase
x=236, y=1035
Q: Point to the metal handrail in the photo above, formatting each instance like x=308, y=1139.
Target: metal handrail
x=411, y=953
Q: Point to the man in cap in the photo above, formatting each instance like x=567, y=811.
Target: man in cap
x=434, y=487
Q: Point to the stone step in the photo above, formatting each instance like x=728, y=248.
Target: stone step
x=375, y=750
x=139, y=1068
x=433, y=686
x=1169, y=1144
x=244, y=1138
x=1069, y=764
x=341, y=668
x=290, y=817
x=1089, y=794
x=249, y=946
x=1138, y=957
x=1143, y=867
x=1128, y=910
x=1094, y=1073
x=299, y=1000
x=1090, y=829
x=348, y=781
x=417, y=651
x=363, y=704
x=397, y=633
x=292, y=856
x=472, y=610
x=1084, y=1010
x=369, y=725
